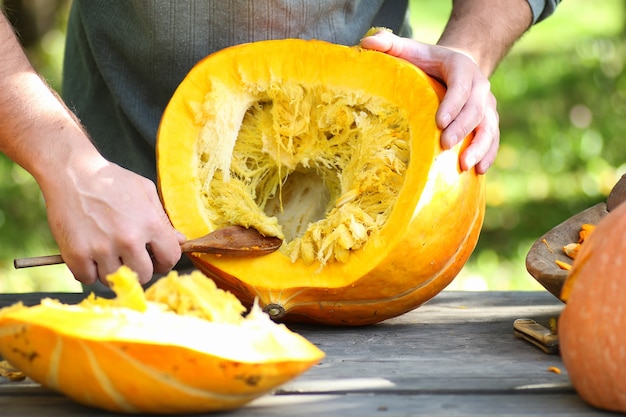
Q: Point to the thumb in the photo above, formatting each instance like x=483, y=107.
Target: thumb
x=180, y=236
x=387, y=42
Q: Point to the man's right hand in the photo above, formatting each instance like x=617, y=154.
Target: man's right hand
x=104, y=216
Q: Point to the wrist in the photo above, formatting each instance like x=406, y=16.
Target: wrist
x=485, y=31
x=68, y=160
x=485, y=61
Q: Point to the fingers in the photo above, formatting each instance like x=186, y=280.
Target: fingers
x=164, y=241
x=159, y=256
x=479, y=110
x=166, y=252
x=125, y=225
x=84, y=269
x=466, y=101
x=138, y=257
x=155, y=250
x=481, y=153
x=106, y=265
x=468, y=104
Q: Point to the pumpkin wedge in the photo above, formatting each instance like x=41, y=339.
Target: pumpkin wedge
x=183, y=347
x=334, y=149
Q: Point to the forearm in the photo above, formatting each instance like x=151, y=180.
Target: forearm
x=486, y=29
x=36, y=129
x=100, y=214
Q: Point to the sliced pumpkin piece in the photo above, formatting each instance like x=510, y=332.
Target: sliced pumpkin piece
x=335, y=150
x=187, y=352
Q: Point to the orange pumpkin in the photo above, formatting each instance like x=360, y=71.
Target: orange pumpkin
x=183, y=347
x=334, y=149
x=591, y=335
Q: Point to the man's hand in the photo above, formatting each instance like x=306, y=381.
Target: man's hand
x=468, y=104
x=103, y=216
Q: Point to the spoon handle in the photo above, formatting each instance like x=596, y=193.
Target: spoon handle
x=37, y=261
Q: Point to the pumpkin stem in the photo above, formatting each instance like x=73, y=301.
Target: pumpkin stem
x=275, y=311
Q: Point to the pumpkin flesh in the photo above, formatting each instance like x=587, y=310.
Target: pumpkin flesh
x=338, y=153
x=144, y=357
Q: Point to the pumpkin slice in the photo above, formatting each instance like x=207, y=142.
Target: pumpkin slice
x=335, y=150
x=184, y=347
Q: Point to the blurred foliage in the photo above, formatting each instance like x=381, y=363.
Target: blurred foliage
x=40, y=25
x=562, y=99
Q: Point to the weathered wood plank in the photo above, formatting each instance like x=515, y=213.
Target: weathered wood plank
x=353, y=405
x=455, y=356
x=459, y=341
x=33, y=298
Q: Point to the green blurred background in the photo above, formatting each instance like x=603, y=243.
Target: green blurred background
x=561, y=96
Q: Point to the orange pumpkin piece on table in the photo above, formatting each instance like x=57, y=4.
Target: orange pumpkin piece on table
x=334, y=149
x=591, y=327
x=182, y=347
x=571, y=249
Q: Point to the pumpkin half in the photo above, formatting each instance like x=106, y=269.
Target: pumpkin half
x=183, y=347
x=334, y=149
x=591, y=326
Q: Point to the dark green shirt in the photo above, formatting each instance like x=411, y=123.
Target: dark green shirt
x=125, y=58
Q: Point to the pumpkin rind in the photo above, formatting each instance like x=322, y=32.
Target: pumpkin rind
x=428, y=236
x=591, y=336
x=124, y=360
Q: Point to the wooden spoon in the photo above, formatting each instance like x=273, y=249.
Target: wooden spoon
x=236, y=241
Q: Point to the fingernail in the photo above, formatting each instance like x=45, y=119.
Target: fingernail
x=450, y=141
x=445, y=119
x=470, y=161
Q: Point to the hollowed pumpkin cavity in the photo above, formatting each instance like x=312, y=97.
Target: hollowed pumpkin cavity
x=318, y=166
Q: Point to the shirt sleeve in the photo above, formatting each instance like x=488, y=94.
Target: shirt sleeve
x=542, y=8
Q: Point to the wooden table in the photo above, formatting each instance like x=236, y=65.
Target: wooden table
x=455, y=356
